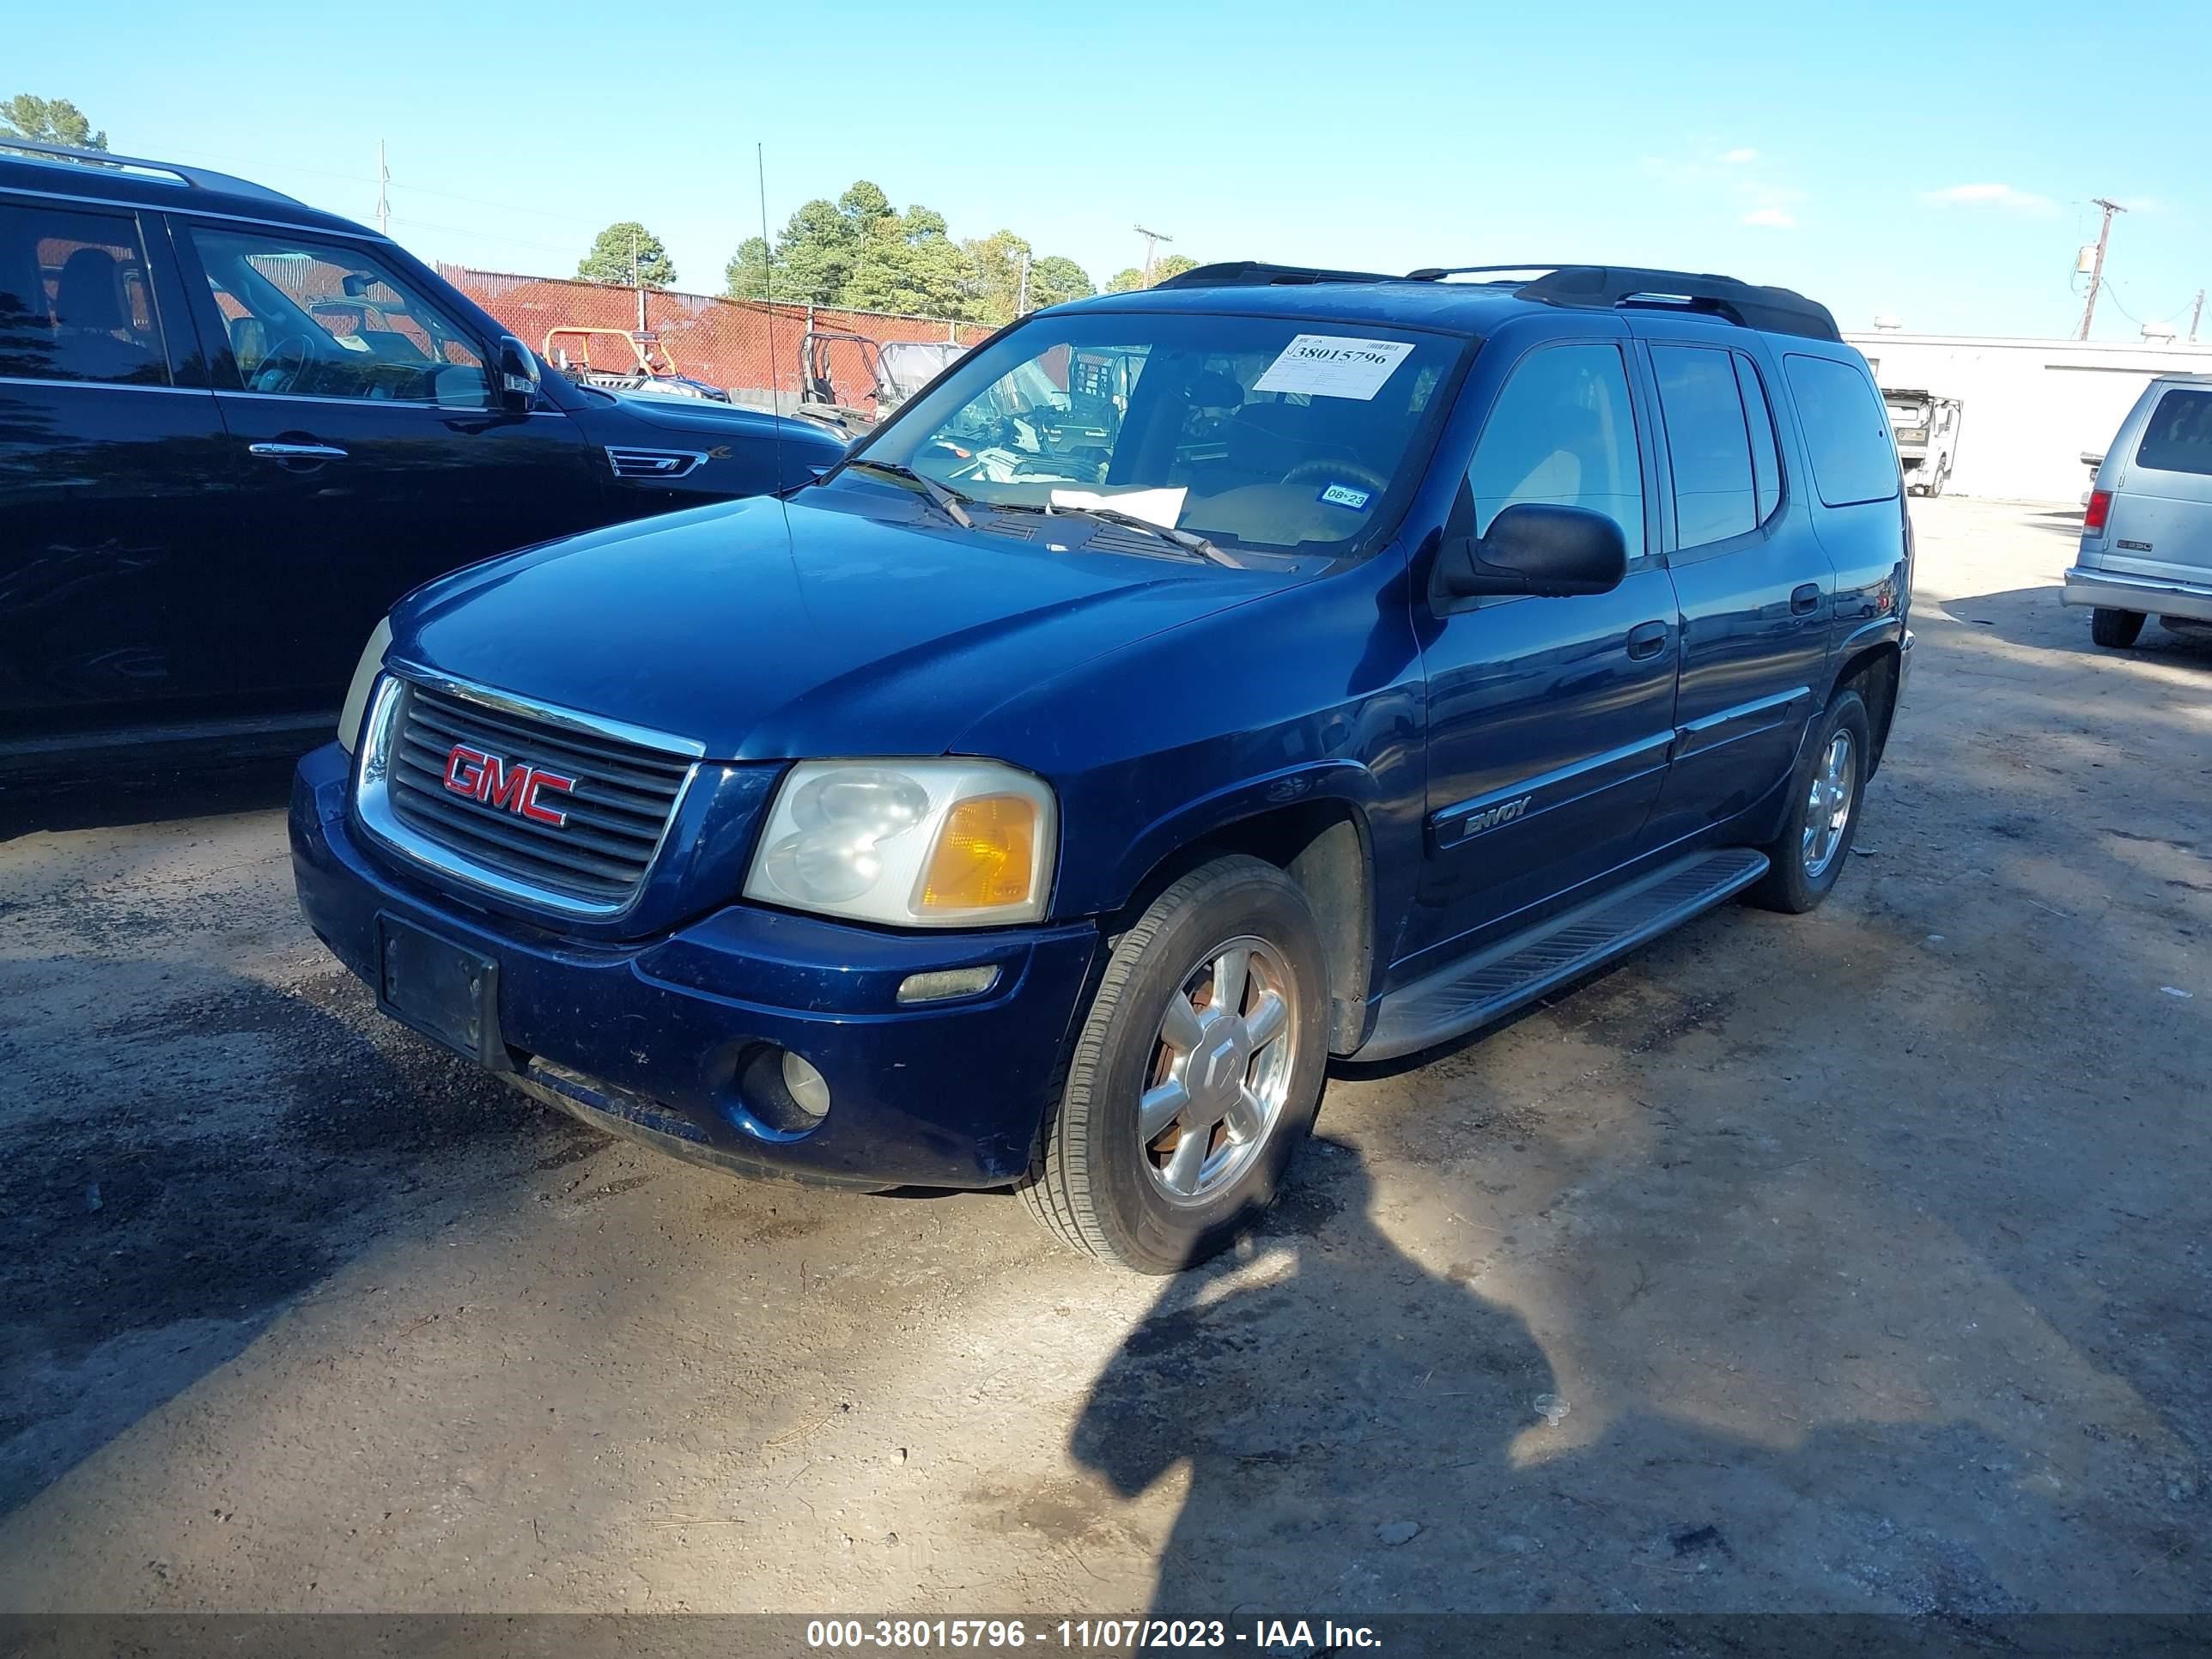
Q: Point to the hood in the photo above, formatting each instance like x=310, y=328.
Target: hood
x=854, y=620
x=704, y=417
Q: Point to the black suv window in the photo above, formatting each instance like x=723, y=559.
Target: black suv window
x=1562, y=431
x=2178, y=437
x=75, y=302
x=1709, y=442
x=1766, y=457
x=322, y=319
x=1846, y=430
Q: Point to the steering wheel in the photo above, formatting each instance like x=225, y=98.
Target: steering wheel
x=1323, y=469
x=269, y=374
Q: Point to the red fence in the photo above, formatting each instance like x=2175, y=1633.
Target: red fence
x=740, y=344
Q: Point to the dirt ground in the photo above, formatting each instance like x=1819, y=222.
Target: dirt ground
x=1863, y=1257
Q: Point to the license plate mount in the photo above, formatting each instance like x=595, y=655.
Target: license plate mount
x=445, y=991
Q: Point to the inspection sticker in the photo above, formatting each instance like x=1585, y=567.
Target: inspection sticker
x=1345, y=496
x=1334, y=366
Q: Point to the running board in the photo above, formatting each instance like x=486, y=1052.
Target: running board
x=1480, y=989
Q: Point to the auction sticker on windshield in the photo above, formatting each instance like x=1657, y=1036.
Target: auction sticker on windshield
x=1334, y=366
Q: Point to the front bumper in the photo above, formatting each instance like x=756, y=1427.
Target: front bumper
x=2150, y=595
x=648, y=1036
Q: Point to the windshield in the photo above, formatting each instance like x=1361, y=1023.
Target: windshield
x=1280, y=435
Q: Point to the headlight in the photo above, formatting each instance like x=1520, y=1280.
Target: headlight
x=912, y=842
x=364, y=676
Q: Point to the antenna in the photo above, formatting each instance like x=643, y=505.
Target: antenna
x=768, y=295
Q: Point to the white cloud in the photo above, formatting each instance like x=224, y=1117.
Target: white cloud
x=1737, y=158
x=1995, y=196
x=1773, y=218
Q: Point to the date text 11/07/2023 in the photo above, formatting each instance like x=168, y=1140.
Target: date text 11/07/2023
x=1090, y=1634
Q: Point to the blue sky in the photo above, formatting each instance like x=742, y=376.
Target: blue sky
x=1932, y=162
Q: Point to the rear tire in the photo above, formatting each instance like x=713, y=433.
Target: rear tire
x=1824, y=795
x=2117, y=628
x=1248, y=1078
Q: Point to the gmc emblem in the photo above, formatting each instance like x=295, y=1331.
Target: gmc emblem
x=513, y=787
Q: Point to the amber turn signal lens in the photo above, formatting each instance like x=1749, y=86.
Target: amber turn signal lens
x=984, y=857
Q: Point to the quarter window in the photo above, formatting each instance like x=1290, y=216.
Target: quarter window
x=75, y=301
x=1846, y=430
x=1708, y=443
x=1562, y=432
x=320, y=319
x=2178, y=437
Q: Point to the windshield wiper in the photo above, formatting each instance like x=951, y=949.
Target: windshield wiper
x=943, y=499
x=1190, y=540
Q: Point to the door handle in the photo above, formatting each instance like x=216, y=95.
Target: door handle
x=297, y=451
x=1804, y=600
x=1647, y=640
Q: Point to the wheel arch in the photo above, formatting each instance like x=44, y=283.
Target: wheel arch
x=1874, y=663
x=1321, y=839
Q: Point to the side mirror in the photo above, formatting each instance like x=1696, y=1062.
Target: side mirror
x=518, y=376
x=1534, y=548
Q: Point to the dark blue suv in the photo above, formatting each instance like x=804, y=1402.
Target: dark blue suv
x=1186, y=687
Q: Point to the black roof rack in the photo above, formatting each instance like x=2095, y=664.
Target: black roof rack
x=40, y=153
x=1774, y=310
x=1250, y=273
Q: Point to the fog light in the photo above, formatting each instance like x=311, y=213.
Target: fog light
x=810, y=1089
x=946, y=982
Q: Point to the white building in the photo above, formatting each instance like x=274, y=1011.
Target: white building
x=2031, y=407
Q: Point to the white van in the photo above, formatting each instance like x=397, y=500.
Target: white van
x=2147, y=532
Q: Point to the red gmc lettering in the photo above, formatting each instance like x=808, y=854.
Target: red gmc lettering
x=513, y=787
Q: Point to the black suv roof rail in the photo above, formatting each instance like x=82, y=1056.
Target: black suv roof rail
x=1250, y=273
x=40, y=153
x=1774, y=310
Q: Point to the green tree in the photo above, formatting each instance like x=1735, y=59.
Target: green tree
x=627, y=254
x=1167, y=266
x=1056, y=278
x=909, y=263
x=747, y=275
x=49, y=120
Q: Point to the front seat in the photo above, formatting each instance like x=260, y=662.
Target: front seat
x=93, y=339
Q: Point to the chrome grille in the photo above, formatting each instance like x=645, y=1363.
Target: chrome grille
x=622, y=796
x=631, y=462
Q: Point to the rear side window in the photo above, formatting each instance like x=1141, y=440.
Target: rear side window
x=1846, y=431
x=2178, y=437
x=1708, y=442
x=1765, y=460
x=75, y=301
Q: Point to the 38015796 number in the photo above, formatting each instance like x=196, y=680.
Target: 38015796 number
x=986, y=1634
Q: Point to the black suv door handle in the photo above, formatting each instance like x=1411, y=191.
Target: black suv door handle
x=1803, y=601
x=1647, y=640
x=297, y=451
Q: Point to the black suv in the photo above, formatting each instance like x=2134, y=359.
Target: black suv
x=234, y=430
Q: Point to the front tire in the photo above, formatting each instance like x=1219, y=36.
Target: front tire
x=1197, y=1072
x=2118, y=629
x=1805, y=859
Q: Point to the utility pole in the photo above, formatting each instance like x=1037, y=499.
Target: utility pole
x=2196, y=311
x=383, y=199
x=2097, y=267
x=634, y=281
x=1152, y=237
x=1022, y=289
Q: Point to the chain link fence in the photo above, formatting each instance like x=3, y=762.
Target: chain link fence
x=749, y=349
